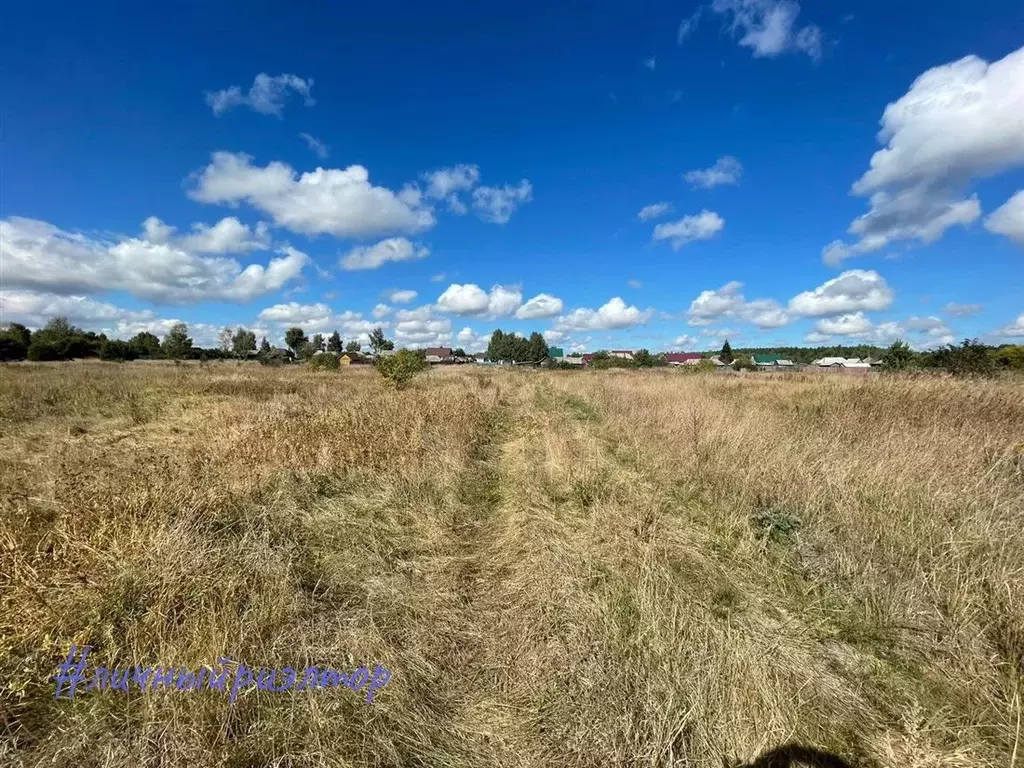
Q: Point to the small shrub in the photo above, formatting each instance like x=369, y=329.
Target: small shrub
x=324, y=362
x=776, y=525
x=398, y=369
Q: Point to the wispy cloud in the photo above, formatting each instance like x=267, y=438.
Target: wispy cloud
x=315, y=145
x=266, y=96
x=726, y=170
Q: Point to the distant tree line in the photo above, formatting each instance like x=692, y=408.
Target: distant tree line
x=808, y=355
x=60, y=340
x=969, y=358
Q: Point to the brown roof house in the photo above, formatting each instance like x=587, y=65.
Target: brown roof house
x=683, y=358
x=438, y=354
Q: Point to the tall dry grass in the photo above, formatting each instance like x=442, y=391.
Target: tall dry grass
x=580, y=569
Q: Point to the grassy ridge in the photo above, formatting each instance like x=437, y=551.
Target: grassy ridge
x=628, y=569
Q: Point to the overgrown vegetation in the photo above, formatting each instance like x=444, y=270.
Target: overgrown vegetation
x=599, y=570
x=399, y=369
x=324, y=362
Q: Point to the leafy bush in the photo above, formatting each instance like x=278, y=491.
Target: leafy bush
x=118, y=351
x=324, y=362
x=744, y=363
x=398, y=369
x=971, y=358
x=11, y=347
x=704, y=366
x=603, y=359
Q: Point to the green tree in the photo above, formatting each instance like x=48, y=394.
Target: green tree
x=378, y=343
x=242, y=343
x=459, y=352
x=1010, y=357
x=146, y=344
x=225, y=339
x=19, y=333
x=899, y=357
x=496, y=347
x=513, y=347
x=117, y=350
x=177, y=344
x=726, y=354
x=971, y=358
x=334, y=343
x=353, y=346
x=13, y=343
x=307, y=350
x=398, y=370
x=536, y=348
x=644, y=359
x=59, y=340
x=295, y=338
x=264, y=346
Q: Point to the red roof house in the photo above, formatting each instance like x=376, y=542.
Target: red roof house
x=683, y=358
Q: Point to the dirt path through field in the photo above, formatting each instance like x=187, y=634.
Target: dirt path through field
x=529, y=642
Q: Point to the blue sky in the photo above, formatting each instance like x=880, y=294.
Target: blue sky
x=490, y=164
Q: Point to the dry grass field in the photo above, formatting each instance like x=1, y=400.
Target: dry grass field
x=593, y=569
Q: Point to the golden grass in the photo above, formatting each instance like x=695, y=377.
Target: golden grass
x=612, y=568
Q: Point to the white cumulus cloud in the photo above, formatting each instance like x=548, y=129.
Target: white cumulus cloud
x=541, y=305
x=471, y=341
x=421, y=328
x=712, y=305
x=378, y=254
x=614, y=315
x=38, y=256
x=331, y=201
x=35, y=309
x=402, y=297
x=228, y=235
x=858, y=327
x=1014, y=329
x=1008, y=219
x=853, y=290
x=470, y=299
x=957, y=122
x=446, y=184
x=318, y=318
x=702, y=226
x=727, y=301
x=844, y=325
